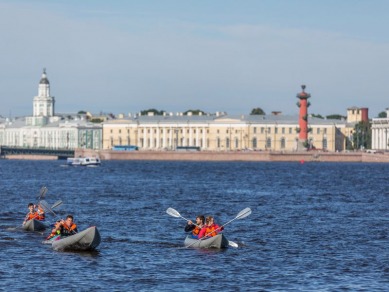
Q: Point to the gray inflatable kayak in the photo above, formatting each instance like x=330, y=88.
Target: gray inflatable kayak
x=34, y=225
x=87, y=239
x=218, y=241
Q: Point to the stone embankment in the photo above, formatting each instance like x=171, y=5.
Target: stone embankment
x=306, y=156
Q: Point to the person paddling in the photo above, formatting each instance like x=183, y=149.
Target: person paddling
x=64, y=228
x=32, y=214
x=195, y=228
x=210, y=228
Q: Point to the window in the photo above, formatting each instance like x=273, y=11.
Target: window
x=282, y=143
x=325, y=143
x=283, y=130
x=262, y=130
x=255, y=130
x=318, y=131
x=276, y=130
x=227, y=143
x=254, y=142
x=268, y=143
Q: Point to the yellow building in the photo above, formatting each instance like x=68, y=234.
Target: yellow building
x=222, y=132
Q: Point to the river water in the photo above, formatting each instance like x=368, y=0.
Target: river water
x=313, y=227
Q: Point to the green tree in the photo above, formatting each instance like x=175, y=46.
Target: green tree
x=257, y=111
x=194, y=112
x=335, y=117
x=362, y=135
x=382, y=115
x=317, y=116
x=81, y=112
x=153, y=110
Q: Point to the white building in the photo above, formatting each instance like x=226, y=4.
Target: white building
x=380, y=133
x=45, y=129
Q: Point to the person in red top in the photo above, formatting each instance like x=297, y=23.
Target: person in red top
x=210, y=228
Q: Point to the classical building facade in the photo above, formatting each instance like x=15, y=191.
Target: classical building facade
x=380, y=133
x=222, y=132
x=45, y=129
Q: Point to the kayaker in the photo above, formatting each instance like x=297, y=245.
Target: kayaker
x=32, y=214
x=40, y=213
x=55, y=231
x=210, y=228
x=195, y=228
x=65, y=227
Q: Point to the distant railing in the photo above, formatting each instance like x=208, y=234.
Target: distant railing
x=60, y=153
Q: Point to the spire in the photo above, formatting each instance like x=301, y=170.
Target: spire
x=44, y=79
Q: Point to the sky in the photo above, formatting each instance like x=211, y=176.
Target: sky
x=173, y=55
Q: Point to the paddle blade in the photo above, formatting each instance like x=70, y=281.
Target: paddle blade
x=244, y=213
x=42, y=192
x=173, y=212
x=233, y=244
x=56, y=204
x=46, y=207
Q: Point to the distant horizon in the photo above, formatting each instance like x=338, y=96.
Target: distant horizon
x=126, y=56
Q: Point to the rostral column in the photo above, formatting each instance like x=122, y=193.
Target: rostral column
x=303, y=117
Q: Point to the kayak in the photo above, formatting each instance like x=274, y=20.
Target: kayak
x=218, y=241
x=34, y=225
x=87, y=239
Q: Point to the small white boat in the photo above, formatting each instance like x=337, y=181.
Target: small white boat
x=87, y=239
x=34, y=225
x=217, y=241
x=84, y=161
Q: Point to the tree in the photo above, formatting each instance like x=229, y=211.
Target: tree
x=317, y=116
x=194, y=112
x=257, y=111
x=81, y=112
x=362, y=135
x=154, y=111
x=335, y=117
x=382, y=115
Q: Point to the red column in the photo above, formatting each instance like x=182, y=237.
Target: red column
x=303, y=117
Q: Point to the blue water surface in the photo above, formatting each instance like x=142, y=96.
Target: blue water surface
x=313, y=227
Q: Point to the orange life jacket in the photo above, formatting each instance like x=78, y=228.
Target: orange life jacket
x=210, y=230
x=41, y=214
x=33, y=215
x=68, y=230
x=196, y=231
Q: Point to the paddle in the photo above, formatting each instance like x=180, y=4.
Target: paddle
x=42, y=193
x=47, y=208
x=242, y=214
x=174, y=213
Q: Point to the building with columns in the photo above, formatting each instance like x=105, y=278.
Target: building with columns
x=46, y=129
x=222, y=132
x=380, y=133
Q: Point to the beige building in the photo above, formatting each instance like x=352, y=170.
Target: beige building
x=222, y=132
